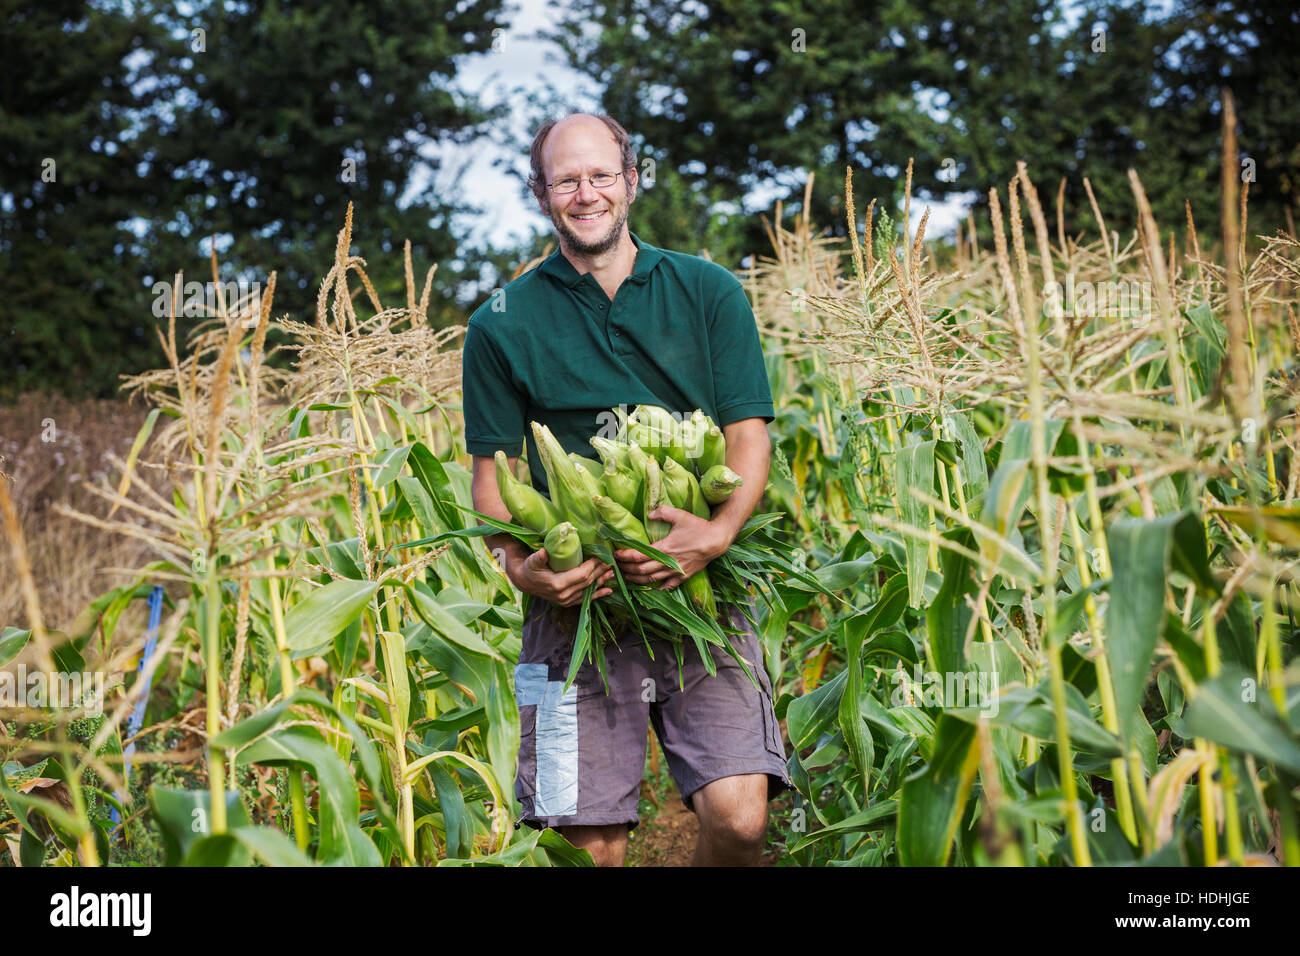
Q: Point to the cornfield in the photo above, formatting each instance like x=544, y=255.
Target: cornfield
x=1053, y=527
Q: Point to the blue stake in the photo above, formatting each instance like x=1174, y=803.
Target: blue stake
x=137, y=715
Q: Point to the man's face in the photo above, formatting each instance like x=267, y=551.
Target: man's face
x=590, y=221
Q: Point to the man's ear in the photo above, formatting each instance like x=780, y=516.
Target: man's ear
x=544, y=205
x=632, y=181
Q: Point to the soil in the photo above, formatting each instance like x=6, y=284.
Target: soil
x=668, y=831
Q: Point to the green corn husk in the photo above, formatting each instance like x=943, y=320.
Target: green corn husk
x=569, y=491
x=700, y=591
x=636, y=461
x=692, y=435
x=593, y=467
x=655, y=429
x=621, y=485
x=611, y=452
x=718, y=483
x=656, y=417
x=619, y=518
x=714, y=447
x=698, y=588
x=589, y=478
x=655, y=496
x=648, y=439
x=563, y=547
x=527, y=506
x=696, y=503
x=683, y=490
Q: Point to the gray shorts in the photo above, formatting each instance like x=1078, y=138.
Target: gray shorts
x=582, y=753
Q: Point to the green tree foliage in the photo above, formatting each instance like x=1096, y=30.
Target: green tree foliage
x=732, y=93
x=299, y=110
x=255, y=123
x=69, y=184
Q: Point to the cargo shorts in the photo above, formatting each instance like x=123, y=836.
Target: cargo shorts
x=582, y=753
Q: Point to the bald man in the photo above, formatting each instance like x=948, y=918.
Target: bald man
x=609, y=320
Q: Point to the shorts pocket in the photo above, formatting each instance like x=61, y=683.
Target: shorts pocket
x=526, y=768
x=530, y=687
x=771, y=726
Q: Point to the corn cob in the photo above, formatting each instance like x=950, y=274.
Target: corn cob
x=683, y=490
x=563, y=548
x=527, y=506
x=593, y=467
x=655, y=496
x=697, y=586
x=655, y=430
x=713, y=449
x=588, y=478
x=637, y=460
x=611, y=451
x=568, y=490
x=621, y=436
x=718, y=483
x=692, y=434
x=621, y=485
x=620, y=519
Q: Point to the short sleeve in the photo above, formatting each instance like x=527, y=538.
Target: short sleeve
x=739, y=370
x=493, y=406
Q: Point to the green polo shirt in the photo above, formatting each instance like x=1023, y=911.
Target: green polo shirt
x=552, y=347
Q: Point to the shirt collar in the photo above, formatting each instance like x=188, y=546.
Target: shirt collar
x=647, y=257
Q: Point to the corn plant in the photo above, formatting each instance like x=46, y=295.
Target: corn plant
x=370, y=683
x=1084, y=507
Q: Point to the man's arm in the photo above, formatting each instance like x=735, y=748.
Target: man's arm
x=694, y=542
x=528, y=570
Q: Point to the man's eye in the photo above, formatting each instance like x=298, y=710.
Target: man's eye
x=566, y=183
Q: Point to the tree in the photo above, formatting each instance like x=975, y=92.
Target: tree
x=69, y=188
x=734, y=93
x=295, y=111
x=255, y=123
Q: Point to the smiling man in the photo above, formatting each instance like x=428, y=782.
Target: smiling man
x=609, y=320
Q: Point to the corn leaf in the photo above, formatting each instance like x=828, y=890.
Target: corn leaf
x=311, y=624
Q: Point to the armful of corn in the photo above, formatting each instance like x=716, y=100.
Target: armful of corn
x=595, y=508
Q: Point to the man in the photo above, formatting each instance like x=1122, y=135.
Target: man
x=608, y=320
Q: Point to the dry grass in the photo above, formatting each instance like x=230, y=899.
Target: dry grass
x=67, y=557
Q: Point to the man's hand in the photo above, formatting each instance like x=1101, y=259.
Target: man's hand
x=535, y=576
x=693, y=543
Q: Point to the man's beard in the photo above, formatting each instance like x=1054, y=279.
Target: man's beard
x=594, y=247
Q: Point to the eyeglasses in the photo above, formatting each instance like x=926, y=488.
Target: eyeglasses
x=599, y=181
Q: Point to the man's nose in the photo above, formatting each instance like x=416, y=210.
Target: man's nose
x=586, y=191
